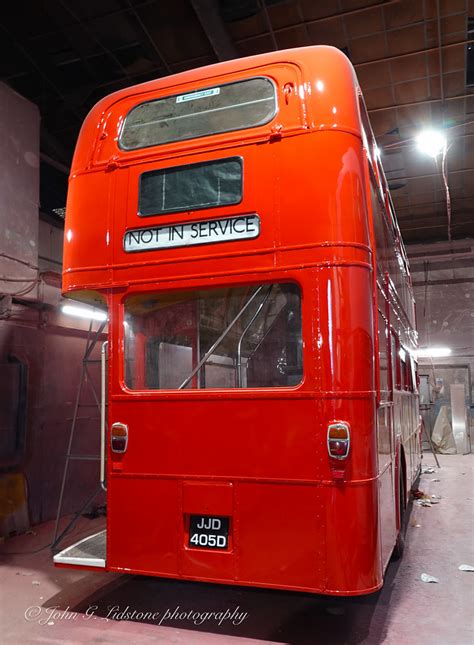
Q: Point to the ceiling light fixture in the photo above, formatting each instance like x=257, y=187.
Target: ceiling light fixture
x=433, y=352
x=431, y=142
x=82, y=312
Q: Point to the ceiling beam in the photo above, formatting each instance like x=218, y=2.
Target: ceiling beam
x=432, y=283
x=417, y=52
x=103, y=16
x=441, y=202
x=41, y=65
x=54, y=164
x=428, y=226
x=424, y=102
x=92, y=36
x=59, y=17
x=266, y=16
x=146, y=39
x=207, y=12
x=54, y=150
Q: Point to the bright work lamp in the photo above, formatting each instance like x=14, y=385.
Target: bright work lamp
x=431, y=142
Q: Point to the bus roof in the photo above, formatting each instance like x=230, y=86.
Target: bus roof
x=320, y=63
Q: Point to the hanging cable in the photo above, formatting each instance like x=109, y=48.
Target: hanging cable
x=444, y=172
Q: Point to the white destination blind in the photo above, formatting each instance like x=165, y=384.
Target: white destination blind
x=214, y=91
x=244, y=227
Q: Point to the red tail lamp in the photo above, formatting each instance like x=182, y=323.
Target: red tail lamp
x=119, y=437
x=339, y=440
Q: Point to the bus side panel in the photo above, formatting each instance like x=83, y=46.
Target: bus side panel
x=87, y=239
x=353, y=555
x=329, y=205
x=346, y=366
x=388, y=512
x=345, y=360
x=386, y=456
x=346, y=330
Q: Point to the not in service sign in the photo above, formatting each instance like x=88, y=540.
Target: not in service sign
x=243, y=227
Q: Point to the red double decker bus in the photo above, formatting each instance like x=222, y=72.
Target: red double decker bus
x=262, y=424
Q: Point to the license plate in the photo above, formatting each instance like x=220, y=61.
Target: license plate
x=208, y=532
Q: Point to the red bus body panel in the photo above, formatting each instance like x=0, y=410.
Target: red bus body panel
x=298, y=519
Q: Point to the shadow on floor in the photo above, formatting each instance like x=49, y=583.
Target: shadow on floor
x=279, y=616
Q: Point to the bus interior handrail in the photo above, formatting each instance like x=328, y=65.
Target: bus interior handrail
x=221, y=338
x=239, y=345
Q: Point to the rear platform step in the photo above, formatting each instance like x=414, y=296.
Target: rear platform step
x=89, y=552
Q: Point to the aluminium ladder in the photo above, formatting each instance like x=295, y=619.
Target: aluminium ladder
x=85, y=377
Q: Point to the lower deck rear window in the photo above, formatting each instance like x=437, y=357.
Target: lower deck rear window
x=235, y=337
x=196, y=186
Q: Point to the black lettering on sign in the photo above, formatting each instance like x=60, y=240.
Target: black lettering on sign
x=133, y=236
x=146, y=236
x=250, y=224
x=177, y=231
x=223, y=225
x=238, y=229
x=191, y=233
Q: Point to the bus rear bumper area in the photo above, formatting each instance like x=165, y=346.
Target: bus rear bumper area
x=88, y=553
x=312, y=537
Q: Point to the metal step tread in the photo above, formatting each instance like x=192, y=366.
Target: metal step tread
x=89, y=551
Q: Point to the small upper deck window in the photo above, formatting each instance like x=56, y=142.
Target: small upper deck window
x=213, y=110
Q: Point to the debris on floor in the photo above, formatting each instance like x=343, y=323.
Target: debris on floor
x=422, y=499
x=436, y=480
x=427, y=578
x=427, y=470
x=466, y=567
x=423, y=502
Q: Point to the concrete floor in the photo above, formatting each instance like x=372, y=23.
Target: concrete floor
x=41, y=604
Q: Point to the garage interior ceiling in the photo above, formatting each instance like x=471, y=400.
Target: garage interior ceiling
x=411, y=58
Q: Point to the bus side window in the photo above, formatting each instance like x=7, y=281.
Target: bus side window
x=403, y=372
x=383, y=354
x=414, y=374
x=410, y=376
x=395, y=362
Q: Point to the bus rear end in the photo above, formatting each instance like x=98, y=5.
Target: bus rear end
x=221, y=217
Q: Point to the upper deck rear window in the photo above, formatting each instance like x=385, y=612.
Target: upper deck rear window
x=235, y=106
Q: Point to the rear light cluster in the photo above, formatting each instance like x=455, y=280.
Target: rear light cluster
x=339, y=439
x=119, y=437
